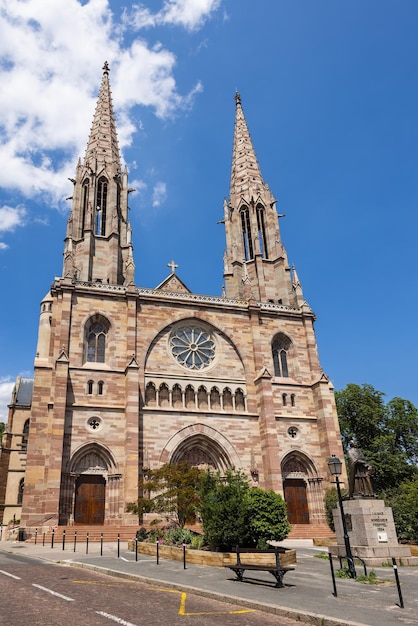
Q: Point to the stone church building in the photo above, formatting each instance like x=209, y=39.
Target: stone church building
x=127, y=378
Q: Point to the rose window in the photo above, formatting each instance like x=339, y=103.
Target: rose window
x=192, y=347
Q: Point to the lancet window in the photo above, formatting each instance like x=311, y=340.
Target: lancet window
x=246, y=233
x=280, y=348
x=101, y=207
x=85, y=201
x=261, y=228
x=96, y=332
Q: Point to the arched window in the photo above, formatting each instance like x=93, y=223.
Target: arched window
x=227, y=398
x=284, y=399
x=25, y=436
x=20, y=491
x=280, y=347
x=150, y=395
x=96, y=332
x=239, y=400
x=190, y=397
x=85, y=200
x=246, y=233
x=261, y=232
x=202, y=398
x=100, y=387
x=292, y=399
x=90, y=387
x=177, y=397
x=215, y=400
x=101, y=207
x=164, y=396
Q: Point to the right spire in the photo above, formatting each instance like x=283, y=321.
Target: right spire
x=255, y=260
x=245, y=176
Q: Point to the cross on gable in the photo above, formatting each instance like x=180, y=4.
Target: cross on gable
x=173, y=266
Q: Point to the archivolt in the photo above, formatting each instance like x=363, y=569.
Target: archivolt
x=213, y=447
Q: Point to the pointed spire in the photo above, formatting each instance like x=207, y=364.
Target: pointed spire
x=246, y=176
x=102, y=146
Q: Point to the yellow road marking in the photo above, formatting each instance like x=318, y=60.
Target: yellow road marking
x=182, y=609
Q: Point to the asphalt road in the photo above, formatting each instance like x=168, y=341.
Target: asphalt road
x=37, y=593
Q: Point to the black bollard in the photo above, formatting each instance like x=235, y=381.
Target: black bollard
x=63, y=539
x=75, y=539
x=52, y=537
x=331, y=564
x=36, y=535
x=43, y=539
x=395, y=569
x=158, y=554
x=87, y=543
x=184, y=556
x=101, y=544
x=118, y=545
x=136, y=548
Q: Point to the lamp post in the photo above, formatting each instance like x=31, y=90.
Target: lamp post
x=335, y=468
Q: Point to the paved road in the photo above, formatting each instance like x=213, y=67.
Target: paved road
x=45, y=594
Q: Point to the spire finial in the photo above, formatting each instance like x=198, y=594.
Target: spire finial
x=237, y=98
x=106, y=68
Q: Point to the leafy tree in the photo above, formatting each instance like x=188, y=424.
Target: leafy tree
x=267, y=517
x=386, y=433
x=172, y=491
x=224, y=508
x=404, y=503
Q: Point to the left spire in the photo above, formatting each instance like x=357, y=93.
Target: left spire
x=98, y=245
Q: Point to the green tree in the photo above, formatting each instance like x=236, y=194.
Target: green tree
x=267, y=517
x=224, y=508
x=172, y=491
x=404, y=502
x=387, y=434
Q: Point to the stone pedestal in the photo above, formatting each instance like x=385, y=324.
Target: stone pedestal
x=371, y=531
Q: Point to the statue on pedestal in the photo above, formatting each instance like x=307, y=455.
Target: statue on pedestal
x=360, y=473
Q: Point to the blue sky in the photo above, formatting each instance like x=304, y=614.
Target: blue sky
x=330, y=93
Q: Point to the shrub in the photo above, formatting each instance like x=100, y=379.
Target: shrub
x=331, y=503
x=267, y=517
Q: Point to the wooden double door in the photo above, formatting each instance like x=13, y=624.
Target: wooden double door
x=90, y=494
x=296, y=501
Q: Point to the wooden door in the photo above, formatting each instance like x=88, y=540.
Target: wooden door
x=296, y=501
x=89, y=505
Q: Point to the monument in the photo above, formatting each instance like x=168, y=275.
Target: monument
x=369, y=522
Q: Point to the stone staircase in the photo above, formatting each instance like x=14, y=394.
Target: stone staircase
x=310, y=531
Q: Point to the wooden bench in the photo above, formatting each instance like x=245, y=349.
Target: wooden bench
x=275, y=569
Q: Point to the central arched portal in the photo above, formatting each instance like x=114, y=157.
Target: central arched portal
x=302, y=488
x=89, y=505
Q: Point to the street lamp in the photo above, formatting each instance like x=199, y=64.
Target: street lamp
x=335, y=467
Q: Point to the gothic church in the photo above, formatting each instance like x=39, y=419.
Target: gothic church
x=127, y=378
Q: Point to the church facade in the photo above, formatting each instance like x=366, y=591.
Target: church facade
x=128, y=378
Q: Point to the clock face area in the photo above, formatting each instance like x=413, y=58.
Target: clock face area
x=192, y=346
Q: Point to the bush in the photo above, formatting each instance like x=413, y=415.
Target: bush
x=267, y=517
x=141, y=534
x=404, y=503
x=223, y=509
x=178, y=536
x=233, y=514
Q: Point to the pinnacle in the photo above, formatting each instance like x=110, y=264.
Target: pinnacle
x=246, y=178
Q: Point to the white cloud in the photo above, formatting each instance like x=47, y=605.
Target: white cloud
x=159, y=194
x=188, y=13
x=6, y=388
x=11, y=217
x=3, y=246
x=50, y=58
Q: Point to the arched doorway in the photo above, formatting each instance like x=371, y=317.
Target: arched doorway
x=302, y=489
x=90, y=493
x=296, y=501
x=89, y=505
